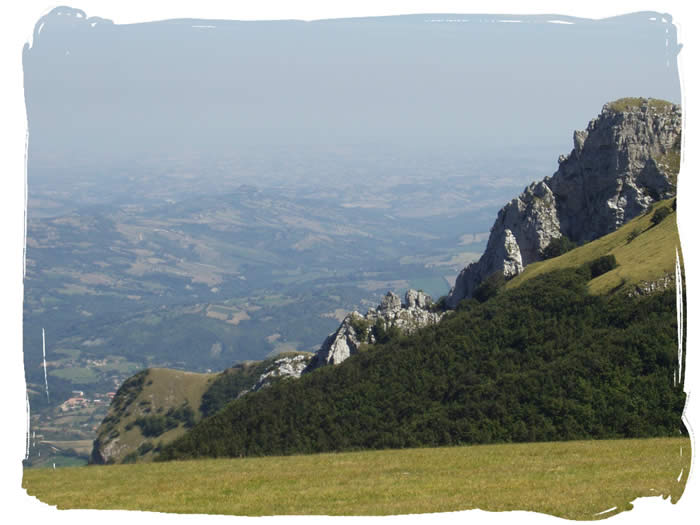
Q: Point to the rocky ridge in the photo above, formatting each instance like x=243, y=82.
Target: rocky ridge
x=356, y=329
x=623, y=162
x=391, y=314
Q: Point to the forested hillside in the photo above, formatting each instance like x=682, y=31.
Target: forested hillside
x=545, y=361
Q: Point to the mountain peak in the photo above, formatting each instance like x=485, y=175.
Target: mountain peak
x=626, y=159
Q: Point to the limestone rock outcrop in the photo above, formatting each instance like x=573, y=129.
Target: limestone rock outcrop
x=413, y=313
x=290, y=366
x=621, y=164
x=407, y=316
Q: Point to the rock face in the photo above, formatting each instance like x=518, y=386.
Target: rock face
x=415, y=312
x=291, y=366
x=408, y=316
x=620, y=165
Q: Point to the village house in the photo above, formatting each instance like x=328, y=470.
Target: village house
x=73, y=402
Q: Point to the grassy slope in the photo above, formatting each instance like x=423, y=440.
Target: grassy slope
x=162, y=388
x=649, y=256
x=575, y=480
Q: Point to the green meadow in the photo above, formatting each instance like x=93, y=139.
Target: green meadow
x=580, y=480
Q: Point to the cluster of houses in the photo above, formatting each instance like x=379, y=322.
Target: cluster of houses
x=78, y=400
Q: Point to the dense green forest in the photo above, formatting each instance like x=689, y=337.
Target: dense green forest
x=542, y=362
x=229, y=384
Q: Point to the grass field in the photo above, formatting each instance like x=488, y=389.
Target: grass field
x=76, y=375
x=576, y=480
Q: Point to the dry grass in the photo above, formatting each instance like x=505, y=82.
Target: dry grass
x=575, y=480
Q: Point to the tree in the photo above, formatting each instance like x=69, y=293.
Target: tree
x=660, y=215
x=602, y=265
x=557, y=247
x=489, y=287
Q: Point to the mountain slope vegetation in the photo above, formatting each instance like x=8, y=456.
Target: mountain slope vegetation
x=157, y=405
x=545, y=361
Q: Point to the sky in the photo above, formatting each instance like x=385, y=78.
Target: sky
x=18, y=28
x=100, y=93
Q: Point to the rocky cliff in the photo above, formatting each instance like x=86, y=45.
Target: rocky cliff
x=391, y=314
x=624, y=161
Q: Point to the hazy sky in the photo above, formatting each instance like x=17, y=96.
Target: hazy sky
x=98, y=91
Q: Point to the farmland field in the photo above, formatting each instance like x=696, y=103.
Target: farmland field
x=576, y=480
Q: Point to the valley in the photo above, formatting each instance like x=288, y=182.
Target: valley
x=162, y=277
